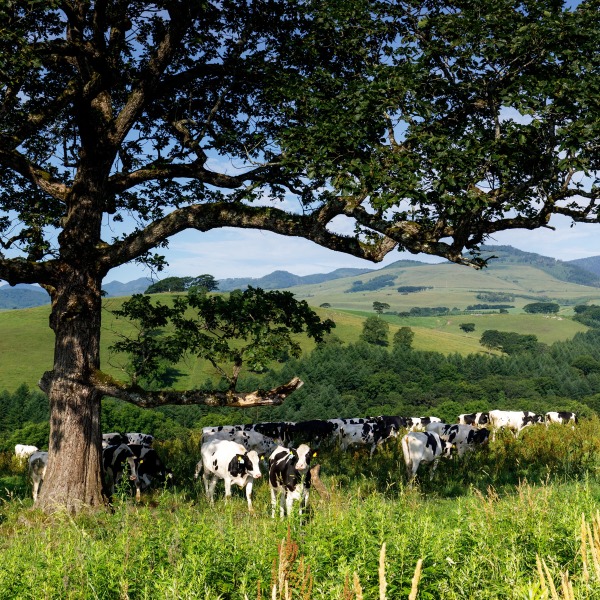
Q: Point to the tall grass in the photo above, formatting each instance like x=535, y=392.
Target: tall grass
x=472, y=532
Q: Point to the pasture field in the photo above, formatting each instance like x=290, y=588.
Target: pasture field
x=481, y=527
x=26, y=341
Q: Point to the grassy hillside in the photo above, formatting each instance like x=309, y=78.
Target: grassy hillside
x=449, y=285
x=26, y=342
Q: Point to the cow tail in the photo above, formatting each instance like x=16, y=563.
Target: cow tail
x=199, y=469
x=407, y=456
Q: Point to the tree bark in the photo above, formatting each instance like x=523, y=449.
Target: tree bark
x=73, y=478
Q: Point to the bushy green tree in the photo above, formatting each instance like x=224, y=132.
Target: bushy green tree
x=375, y=331
x=403, y=338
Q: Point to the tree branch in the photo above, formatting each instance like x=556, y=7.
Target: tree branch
x=110, y=387
x=205, y=217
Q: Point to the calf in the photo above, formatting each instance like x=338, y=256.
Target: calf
x=515, y=420
x=115, y=459
x=474, y=419
x=38, y=462
x=23, y=452
x=289, y=477
x=561, y=417
x=231, y=462
x=423, y=447
x=462, y=437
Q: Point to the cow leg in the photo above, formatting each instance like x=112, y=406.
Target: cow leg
x=433, y=468
x=227, y=488
x=249, y=486
x=209, y=485
x=273, y=502
x=289, y=502
x=304, y=500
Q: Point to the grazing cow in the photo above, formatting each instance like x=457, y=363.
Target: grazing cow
x=280, y=431
x=371, y=431
x=289, y=477
x=462, y=437
x=38, y=461
x=475, y=419
x=419, y=423
x=150, y=468
x=515, y=420
x=562, y=418
x=231, y=462
x=423, y=447
x=23, y=452
x=143, y=439
x=245, y=435
x=353, y=431
x=115, y=459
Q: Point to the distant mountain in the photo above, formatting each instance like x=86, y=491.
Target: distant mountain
x=284, y=279
x=591, y=264
x=568, y=271
x=22, y=296
x=137, y=286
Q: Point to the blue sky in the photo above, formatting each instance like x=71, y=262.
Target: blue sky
x=230, y=252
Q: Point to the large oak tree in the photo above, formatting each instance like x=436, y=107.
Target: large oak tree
x=430, y=125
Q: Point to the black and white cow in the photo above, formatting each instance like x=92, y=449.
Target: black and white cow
x=561, y=417
x=115, y=460
x=423, y=447
x=150, y=468
x=38, y=462
x=23, y=451
x=289, y=478
x=231, y=462
x=462, y=437
x=246, y=435
x=474, y=419
x=419, y=423
x=142, y=439
x=515, y=420
x=369, y=431
x=113, y=439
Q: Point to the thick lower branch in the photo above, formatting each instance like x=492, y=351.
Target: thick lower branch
x=144, y=399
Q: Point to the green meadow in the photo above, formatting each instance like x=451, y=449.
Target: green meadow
x=515, y=520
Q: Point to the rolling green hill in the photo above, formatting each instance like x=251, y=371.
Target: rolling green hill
x=26, y=342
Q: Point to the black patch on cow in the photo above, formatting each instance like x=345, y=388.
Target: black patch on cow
x=239, y=465
x=431, y=443
x=484, y=418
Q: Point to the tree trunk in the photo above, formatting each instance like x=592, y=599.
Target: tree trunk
x=73, y=477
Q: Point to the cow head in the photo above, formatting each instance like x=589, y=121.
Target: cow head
x=239, y=465
x=254, y=460
x=304, y=455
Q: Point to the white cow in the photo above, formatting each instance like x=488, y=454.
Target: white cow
x=462, y=437
x=23, y=452
x=231, y=462
x=515, y=420
x=562, y=418
x=423, y=447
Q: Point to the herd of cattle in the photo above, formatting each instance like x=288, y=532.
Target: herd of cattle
x=233, y=453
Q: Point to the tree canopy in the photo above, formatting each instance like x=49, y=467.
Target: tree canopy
x=429, y=126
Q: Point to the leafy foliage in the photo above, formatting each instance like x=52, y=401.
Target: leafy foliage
x=376, y=283
x=375, y=331
x=544, y=308
x=183, y=284
x=250, y=328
